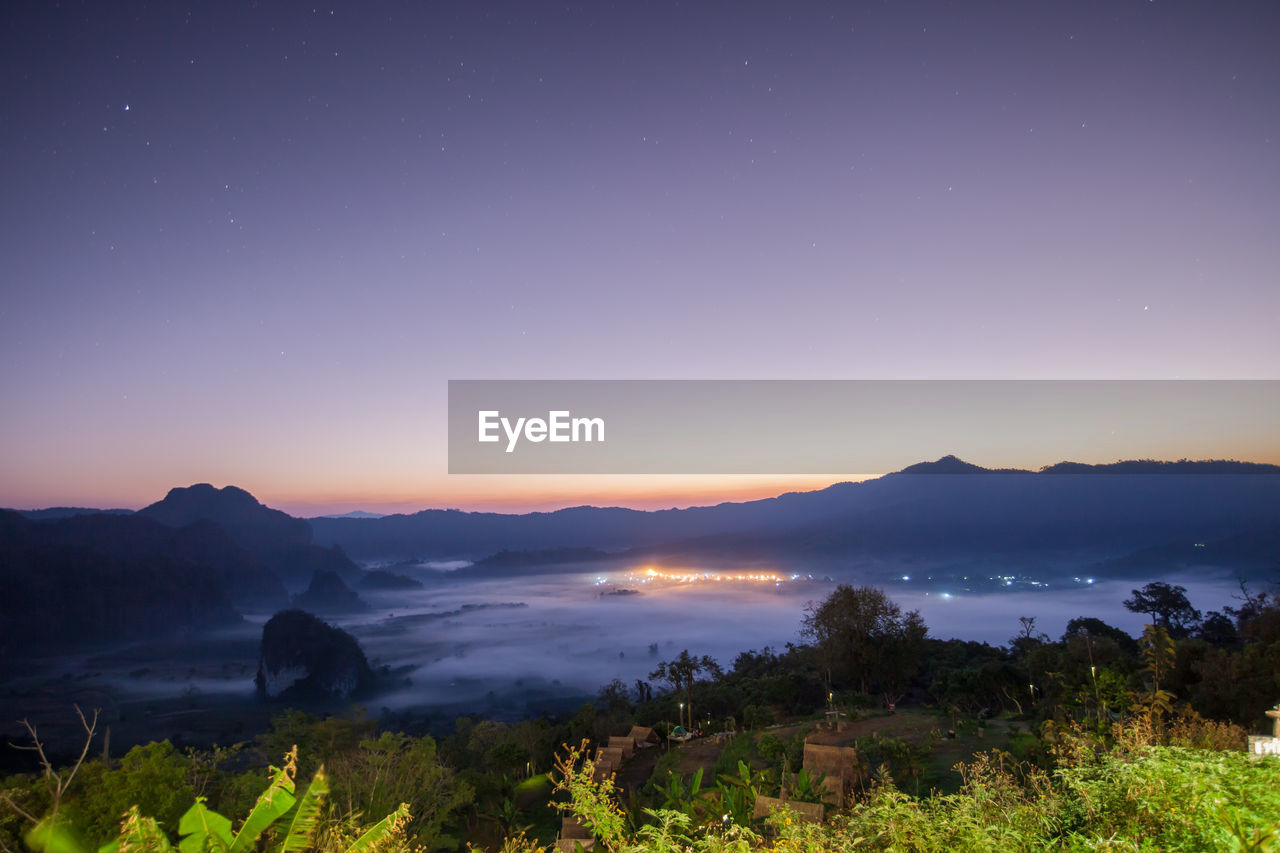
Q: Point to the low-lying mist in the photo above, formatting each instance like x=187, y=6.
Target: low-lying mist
x=553, y=634
x=507, y=647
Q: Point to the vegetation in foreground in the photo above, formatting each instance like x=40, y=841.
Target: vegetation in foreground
x=1097, y=742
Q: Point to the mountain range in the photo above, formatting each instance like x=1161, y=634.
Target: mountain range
x=925, y=509
x=202, y=555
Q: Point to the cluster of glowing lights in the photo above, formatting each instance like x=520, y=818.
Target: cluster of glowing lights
x=691, y=576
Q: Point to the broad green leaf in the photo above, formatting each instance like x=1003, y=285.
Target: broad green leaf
x=271, y=805
x=379, y=830
x=303, y=827
x=202, y=829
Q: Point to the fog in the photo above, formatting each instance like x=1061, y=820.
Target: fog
x=553, y=635
x=525, y=635
x=529, y=645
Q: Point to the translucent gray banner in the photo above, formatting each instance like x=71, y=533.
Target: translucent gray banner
x=848, y=427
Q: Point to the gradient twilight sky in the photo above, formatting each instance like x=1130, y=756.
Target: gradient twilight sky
x=249, y=243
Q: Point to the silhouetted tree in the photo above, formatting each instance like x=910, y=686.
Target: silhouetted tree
x=1167, y=605
x=1097, y=628
x=1218, y=629
x=861, y=634
x=613, y=697
x=683, y=671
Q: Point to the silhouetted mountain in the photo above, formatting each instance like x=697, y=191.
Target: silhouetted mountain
x=452, y=534
x=108, y=578
x=925, y=510
x=356, y=513
x=328, y=594
x=1152, y=466
x=1254, y=554
x=254, y=526
x=279, y=540
x=956, y=465
x=304, y=658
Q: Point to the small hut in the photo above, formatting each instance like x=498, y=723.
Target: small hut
x=643, y=736
x=624, y=743
x=839, y=764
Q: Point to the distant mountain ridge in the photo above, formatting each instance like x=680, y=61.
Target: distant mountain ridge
x=924, y=506
x=955, y=465
x=284, y=543
x=68, y=511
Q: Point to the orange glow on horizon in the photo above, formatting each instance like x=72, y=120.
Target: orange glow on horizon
x=520, y=494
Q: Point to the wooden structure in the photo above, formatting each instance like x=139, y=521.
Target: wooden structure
x=625, y=743
x=839, y=766
x=643, y=736
x=608, y=760
x=572, y=834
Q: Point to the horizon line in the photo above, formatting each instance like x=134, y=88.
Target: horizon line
x=644, y=493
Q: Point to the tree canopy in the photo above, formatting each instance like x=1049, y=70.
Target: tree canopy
x=862, y=637
x=1167, y=605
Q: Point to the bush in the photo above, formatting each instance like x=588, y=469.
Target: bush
x=1151, y=798
x=758, y=716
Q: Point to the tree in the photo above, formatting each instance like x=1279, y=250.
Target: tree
x=1218, y=629
x=614, y=697
x=1097, y=628
x=861, y=635
x=1158, y=658
x=1167, y=605
x=683, y=671
x=1028, y=638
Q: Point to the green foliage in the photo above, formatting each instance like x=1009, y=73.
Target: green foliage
x=864, y=638
x=771, y=747
x=758, y=716
x=202, y=828
x=1124, y=798
x=317, y=740
x=807, y=787
x=205, y=831
x=738, y=749
x=595, y=804
x=138, y=834
x=381, y=773
x=154, y=777
x=679, y=797
x=1238, y=685
x=1173, y=798
x=738, y=793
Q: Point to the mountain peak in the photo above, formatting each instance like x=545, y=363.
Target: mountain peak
x=207, y=494
x=254, y=527
x=949, y=464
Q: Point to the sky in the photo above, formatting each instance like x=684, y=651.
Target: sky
x=250, y=243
